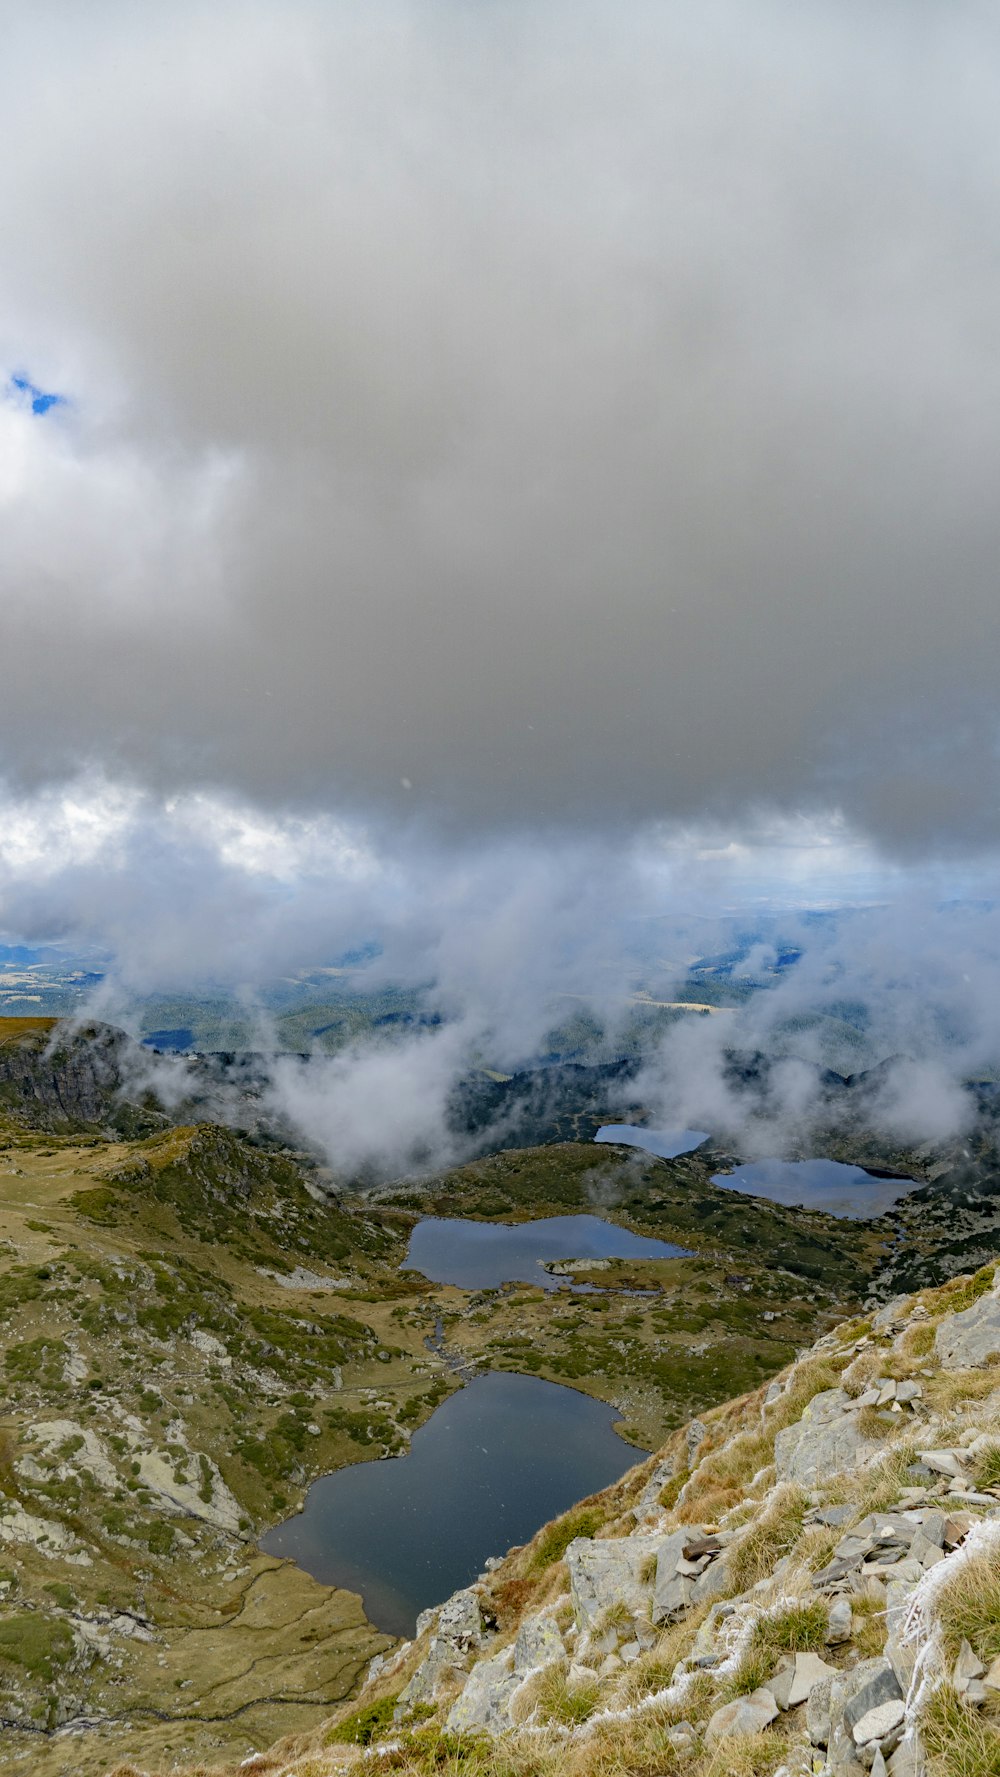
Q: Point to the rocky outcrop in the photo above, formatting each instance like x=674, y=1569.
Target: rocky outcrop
x=971, y=1339
x=79, y=1077
x=826, y=1573
x=826, y=1439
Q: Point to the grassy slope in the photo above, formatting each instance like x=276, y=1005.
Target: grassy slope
x=118, y=1254
x=775, y=1530
x=142, y=1305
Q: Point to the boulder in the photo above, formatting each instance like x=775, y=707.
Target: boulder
x=671, y=1591
x=538, y=1642
x=943, y=1462
x=841, y=1622
x=483, y=1702
x=968, y=1341
x=611, y=1572
x=825, y=1440
x=459, y=1619
x=745, y=1715
x=796, y=1683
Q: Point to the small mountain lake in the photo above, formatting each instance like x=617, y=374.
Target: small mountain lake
x=666, y=1143
x=484, y=1255
x=828, y=1185
x=496, y=1460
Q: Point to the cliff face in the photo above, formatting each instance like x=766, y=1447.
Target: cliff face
x=807, y=1580
x=56, y=1077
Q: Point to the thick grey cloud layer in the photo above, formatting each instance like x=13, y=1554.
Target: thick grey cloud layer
x=576, y=411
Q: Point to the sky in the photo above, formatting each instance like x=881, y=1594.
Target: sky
x=492, y=444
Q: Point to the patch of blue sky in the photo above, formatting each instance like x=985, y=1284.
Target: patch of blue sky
x=41, y=399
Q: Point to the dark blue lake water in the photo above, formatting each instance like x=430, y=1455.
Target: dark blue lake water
x=492, y=1464
x=667, y=1143
x=818, y=1184
x=483, y=1255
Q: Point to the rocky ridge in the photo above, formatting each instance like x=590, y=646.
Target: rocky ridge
x=807, y=1580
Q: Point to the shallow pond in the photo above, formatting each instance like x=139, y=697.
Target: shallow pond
x=828, y=1185
x=666, y=1143
x=483, y=1255
x=493, y=1463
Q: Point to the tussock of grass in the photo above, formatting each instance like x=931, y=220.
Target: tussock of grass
x=556, y=1538
x=719, y=1481
x=653, y=1671
x=870, y=1628
x=961, y=1292
x=959, y=1740
x=556, y=1702
x=752, y=1755
x=969, y=1606
x=754, y=1669
x=988, y=1467
x=799, y=1629
x=616, y=1616
x=364, y=1725
x=876, y=1488
x=951, y=1388
x=669, y=1494
x=860, y=1374
x=918, y=1340
x=875, y=1423
x=770, y=1535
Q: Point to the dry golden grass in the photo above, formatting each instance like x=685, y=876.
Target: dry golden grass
x=770, y=1535
x=969, y=1606
x=13, y=1029
x=959, y=1740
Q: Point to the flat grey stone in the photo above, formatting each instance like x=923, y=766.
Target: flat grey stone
x=833, y=1574
x=943, y=1462
x=967, y=1341
x=797, y=1682
x=854, y=1547
x=713, y=1582
x=878, y=1723
x=924, y=1551
x=818, y=1713
x=904, y=1762
x=745, y=1715
x=880, y=1685
x=908, y=1391
x=488, y=1690
x=610, y=1572
x=671, y=1600
x=968, y=1665
x=825, y=1440
x=841, y=1622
